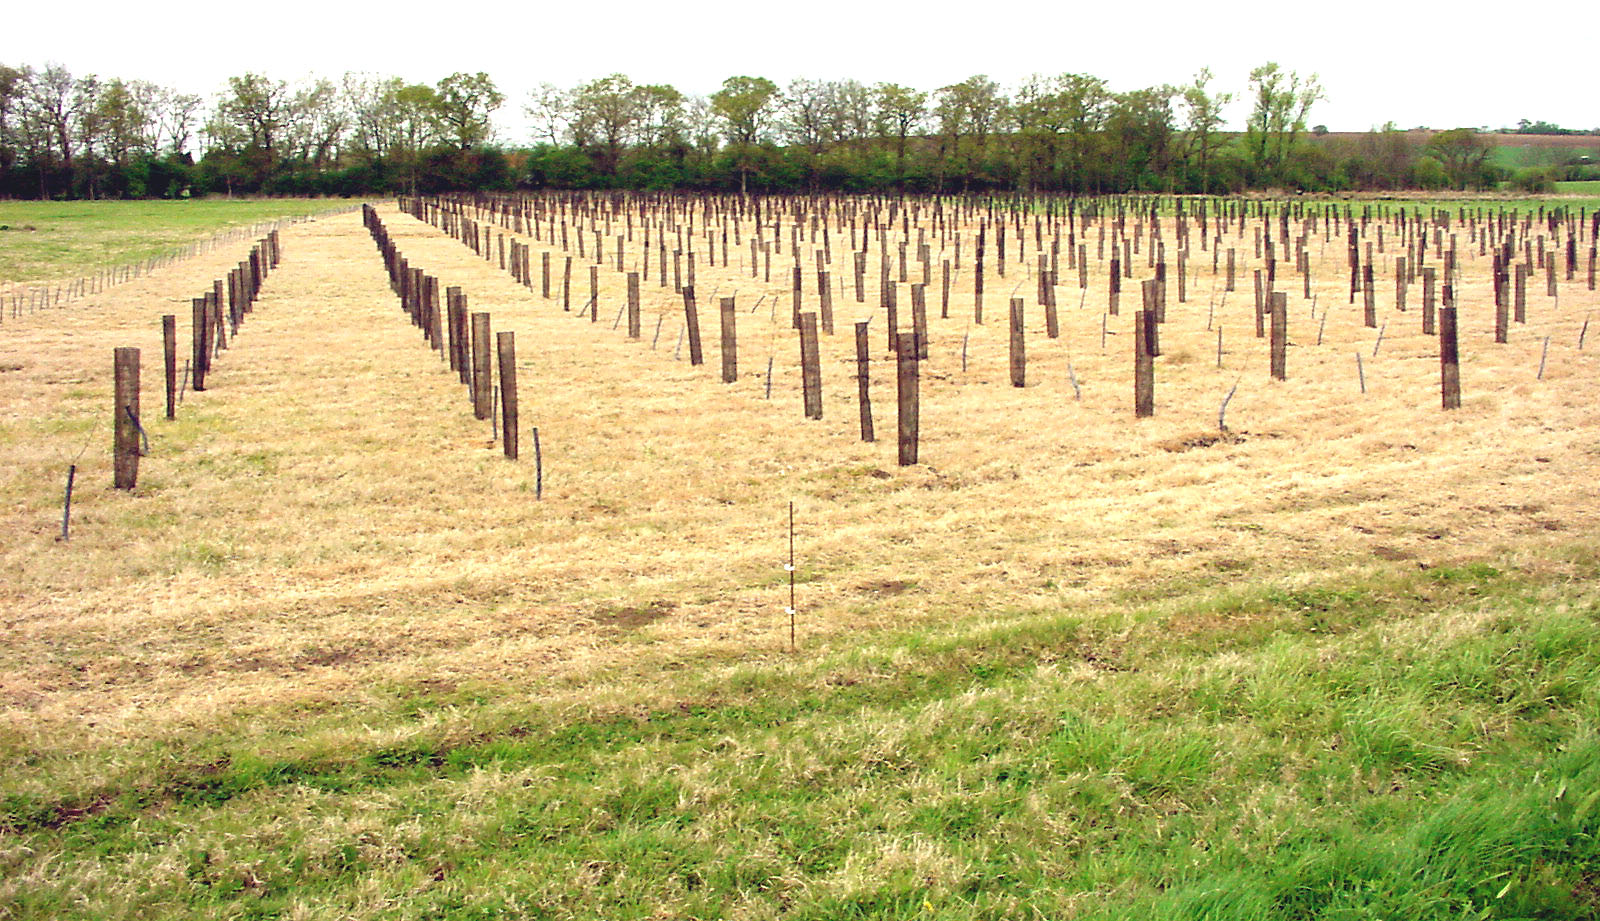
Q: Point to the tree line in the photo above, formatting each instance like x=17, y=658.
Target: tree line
x=63, y=136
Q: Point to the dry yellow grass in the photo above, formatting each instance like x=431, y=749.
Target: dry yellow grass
x=328, y=519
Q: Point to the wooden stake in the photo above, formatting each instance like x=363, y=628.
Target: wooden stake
x=1144, y=383
x=482, y=370
x=1449, y=359
x=730, y=342
x=1019, y=358
x=691, y=316
x=909, y=399
x=863, y=380
x=125, y=454
x=1280, y=335
x=810, y=366
x=169, y=349
x=200, y=340
x=506, y=346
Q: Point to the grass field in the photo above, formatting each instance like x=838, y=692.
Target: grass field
x=52, y=240
x=1520, y=157
x=333, y=659
x=1590, y=189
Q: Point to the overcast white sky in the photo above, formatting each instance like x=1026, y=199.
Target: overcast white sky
x=1440, y=65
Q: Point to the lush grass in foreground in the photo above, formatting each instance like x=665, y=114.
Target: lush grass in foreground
x=52, y=240
x=1413, y=745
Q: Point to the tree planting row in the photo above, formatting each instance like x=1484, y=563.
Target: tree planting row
x=665, y=240
x=216, y=317
x=462, y=339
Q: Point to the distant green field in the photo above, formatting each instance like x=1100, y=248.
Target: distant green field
x=1590, y=188
x=52, y=240
x=1522, y=157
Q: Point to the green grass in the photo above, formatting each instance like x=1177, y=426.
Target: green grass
x=1515, y=157
x=1411, y=745
x=1590, y=188
x=54, y=240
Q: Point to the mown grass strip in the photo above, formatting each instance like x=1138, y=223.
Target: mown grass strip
x=1421, y=746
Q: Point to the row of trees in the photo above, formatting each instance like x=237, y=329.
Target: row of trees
x=65, y=136
x=1069, y=132
x=82, y=137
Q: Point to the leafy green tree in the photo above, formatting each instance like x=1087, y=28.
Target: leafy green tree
x=558, y=166
x=121, y=127
x=703, y=130
x=1428, y=173
x=745, y=105
x=852, y=116
x=465, y=104
x=1383, y=159
x=660, y=122
x=50, y=96
x=33, y=131
x=320, y=121
x=89, y=131
x=1464, y=156
x=968, y=113
x=1039, y=114
x=1202, y=117
x=393, y=123
x=1524, y=126
x=366, y=99
x=12, y=82
x=1281, y=100
x=246, y=131
x=1085, y=104
x=899, y=111
x=414, y=130
x=810, y=115
x=604, y=114
x=253, y=113
x=1140, y=137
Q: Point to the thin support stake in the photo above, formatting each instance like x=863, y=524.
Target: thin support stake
x=66, y=507
x=538, y=467
x=144, y=437
x=1222, y=411
x=790, y=567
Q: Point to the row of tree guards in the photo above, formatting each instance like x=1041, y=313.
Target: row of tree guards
x=462, y=338
x=662, y=238
x=515, y=257
x=215, y=317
